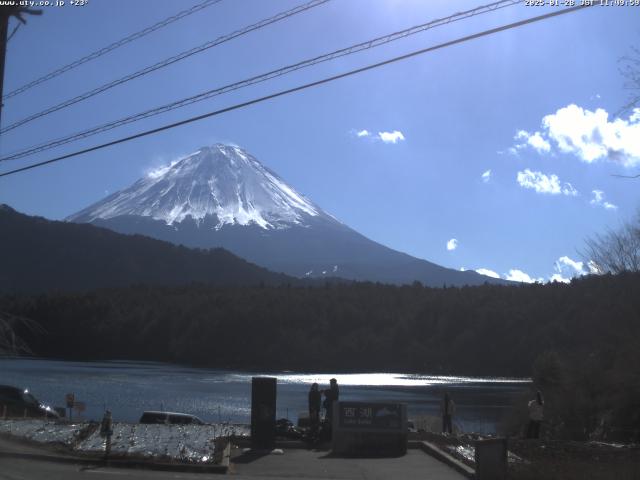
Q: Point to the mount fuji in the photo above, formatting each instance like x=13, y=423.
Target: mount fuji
x=221, y=196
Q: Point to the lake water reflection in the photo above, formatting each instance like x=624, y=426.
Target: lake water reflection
x=129, y=388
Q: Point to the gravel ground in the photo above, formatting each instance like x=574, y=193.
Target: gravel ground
x=175, y=443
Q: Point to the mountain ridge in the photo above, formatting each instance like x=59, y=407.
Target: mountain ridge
x=222, y=196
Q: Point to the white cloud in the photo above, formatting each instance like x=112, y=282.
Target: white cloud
x=539, y=143
x=598, y=195
x=391, y=137
x=158, y=172
x=386, y=137
x=487, y=272
x=591, y=137
x=534, y=140
x=598, y=200
x=541, y=183
x=556, y=277
x=578, y=267
x=486, y=176
x=516, y=275
x=452, y=244
x=566, y=268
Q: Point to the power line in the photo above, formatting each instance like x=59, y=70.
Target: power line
x=168, y=61
x=261, y=78
x=303, y=87
x=111, y=47
x=13, y=32
x=626, y=176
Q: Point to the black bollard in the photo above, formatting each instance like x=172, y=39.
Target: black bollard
x=491, y=459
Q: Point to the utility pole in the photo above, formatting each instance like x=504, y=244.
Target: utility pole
x=6, y=12
x=4, y=27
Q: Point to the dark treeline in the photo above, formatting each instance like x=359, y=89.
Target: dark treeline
x=488, y=330
x=581, y=340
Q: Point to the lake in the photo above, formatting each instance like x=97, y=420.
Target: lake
x=129, y=388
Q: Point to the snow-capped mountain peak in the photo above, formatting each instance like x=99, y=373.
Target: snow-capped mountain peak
x=222, y=181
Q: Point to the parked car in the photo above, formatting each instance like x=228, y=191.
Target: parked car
x=18, y=402
x=170, y=418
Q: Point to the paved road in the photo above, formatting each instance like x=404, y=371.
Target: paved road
x=293, y=464
x=305, y=464
x=13, y=469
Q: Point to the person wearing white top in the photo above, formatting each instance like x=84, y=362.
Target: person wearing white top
x=536, y=415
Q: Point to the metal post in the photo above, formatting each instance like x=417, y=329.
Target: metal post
x=7, y=12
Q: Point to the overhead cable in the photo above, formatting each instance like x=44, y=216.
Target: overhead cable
x=369, y=44
x=302, y=87
x=166, y=62
x=111, y=47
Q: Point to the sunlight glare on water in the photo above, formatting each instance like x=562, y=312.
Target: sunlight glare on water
x=384, y=379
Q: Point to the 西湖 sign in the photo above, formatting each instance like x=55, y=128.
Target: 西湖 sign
x=380, y=416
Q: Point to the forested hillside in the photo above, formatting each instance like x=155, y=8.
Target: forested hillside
x=492, y=330
x=39, y=255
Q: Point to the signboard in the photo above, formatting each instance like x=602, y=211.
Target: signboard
x=378, y=416
x=263, y=412
x=70, y=399
x=79, y=407
x=370, y=428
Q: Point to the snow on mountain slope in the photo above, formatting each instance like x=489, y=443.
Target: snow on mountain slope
x=221, y=196
x=221, y=180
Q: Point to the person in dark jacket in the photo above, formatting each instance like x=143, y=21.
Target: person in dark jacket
x=314, y=408
x=331, y=395
x=448, y=409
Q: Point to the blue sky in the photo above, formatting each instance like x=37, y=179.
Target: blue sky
x=506, y=144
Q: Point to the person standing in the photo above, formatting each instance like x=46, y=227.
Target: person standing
x=331, y=395
x=536, y=415
x=314, y=408
x=448, y=409
x=106, y=431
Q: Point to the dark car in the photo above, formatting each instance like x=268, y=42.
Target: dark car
x=170, y=418
x=18, y=402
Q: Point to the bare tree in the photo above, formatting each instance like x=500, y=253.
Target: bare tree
x=616, y=251
x=10, y=342
x=630, y=70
